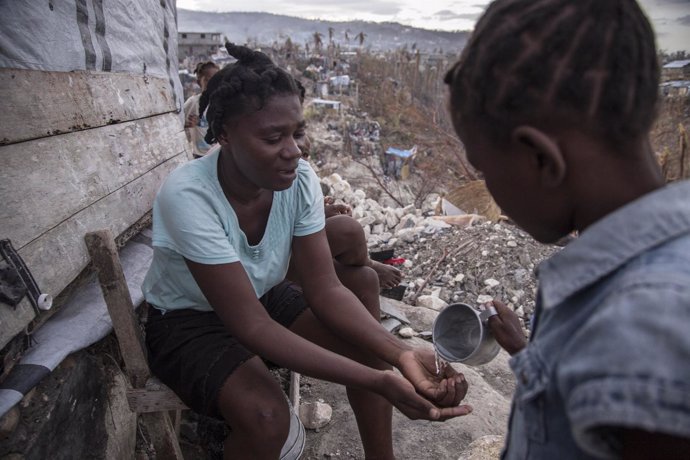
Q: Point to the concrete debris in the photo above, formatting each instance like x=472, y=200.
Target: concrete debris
x=315, y=415
x=431, y=302
x=407, y=332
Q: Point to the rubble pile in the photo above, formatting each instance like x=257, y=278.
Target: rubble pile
x=473, y=262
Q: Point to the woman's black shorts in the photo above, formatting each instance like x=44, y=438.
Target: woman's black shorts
x=193, y=353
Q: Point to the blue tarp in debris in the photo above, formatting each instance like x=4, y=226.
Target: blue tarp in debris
x=401, y=153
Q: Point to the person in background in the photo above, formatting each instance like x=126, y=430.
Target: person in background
x=195, y=124
x=225, y=227
x=554, y=101
x=348, y=242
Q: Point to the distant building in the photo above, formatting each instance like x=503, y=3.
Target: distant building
x=197, y=46
x=676, y=70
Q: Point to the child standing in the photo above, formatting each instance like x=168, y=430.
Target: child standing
x=554, y=101
x=195, y=124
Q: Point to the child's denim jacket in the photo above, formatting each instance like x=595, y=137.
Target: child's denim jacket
x=610, y=346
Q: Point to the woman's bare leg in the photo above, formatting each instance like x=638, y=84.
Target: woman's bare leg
x=254, y=405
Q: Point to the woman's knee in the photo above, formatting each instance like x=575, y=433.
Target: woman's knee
x=254, y=405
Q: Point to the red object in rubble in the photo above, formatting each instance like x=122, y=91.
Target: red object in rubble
x=394, y=261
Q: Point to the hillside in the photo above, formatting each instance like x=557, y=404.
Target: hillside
x=267, y=28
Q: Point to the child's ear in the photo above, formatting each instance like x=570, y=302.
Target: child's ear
x=545, y=153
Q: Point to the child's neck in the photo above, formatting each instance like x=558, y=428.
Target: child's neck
x=613, y=179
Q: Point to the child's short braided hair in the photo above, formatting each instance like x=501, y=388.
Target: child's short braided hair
x=589, y=63
x=242, y=87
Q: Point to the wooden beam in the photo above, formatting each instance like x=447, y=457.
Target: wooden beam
x=57, y=257
x=162, y=434
x=106, y=262
x=45, y=182
x=13, y=320
x=144, y=400
x=38, y=104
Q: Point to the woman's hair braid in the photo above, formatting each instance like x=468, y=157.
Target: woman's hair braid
x=243, y=87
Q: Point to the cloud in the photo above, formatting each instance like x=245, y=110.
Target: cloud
x=447, y=15
x=685, y=20
x=380, y=7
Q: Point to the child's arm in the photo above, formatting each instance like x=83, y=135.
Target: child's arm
x=506, y=328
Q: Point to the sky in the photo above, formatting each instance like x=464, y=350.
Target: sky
x=670, y=18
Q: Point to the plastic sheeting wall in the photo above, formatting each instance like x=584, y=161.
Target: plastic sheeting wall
x=137, y=37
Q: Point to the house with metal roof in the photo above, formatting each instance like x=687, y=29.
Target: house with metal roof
x=676, y=70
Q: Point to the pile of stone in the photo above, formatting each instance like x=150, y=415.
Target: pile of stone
x=473, y=262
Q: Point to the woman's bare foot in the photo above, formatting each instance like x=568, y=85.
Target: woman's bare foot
x=389, y=276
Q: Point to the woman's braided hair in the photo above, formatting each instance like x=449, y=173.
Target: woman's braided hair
x=588, y=63
x=242, y=87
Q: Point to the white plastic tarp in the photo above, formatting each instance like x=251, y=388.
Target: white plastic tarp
x=128, y=36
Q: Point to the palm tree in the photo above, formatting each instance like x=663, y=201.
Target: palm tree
x=318, y=40
x=360, y=37
x=331, y=30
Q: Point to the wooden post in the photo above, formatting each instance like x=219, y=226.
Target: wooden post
x=162, y=434
x=106, y=262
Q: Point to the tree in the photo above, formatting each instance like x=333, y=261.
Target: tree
x=361, y=37
x=666, y=57
x=318, y=40
x=331, y=30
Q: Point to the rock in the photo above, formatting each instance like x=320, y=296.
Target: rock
x=459, y=278
x=79, y=411
x=485, y=448
x=421, y=318
x=368, y=219
x=491, y=282
x=431, y=302
x=315, y=415
x=483, y=298
x=391, y=218
x=406, y=332
x=408, y=235
x=8, y=423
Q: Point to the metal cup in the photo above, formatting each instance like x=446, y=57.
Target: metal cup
x=461, y=334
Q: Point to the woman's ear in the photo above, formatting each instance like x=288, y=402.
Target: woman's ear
x=223, y=138
x=545, y=154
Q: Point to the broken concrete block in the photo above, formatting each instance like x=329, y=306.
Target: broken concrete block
x=432, y=302
x=315, y=415
x=406, y=332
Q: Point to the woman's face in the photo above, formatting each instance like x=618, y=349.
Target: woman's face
x=264, y=145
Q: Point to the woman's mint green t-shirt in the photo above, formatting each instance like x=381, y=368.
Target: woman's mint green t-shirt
x=192, y=219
